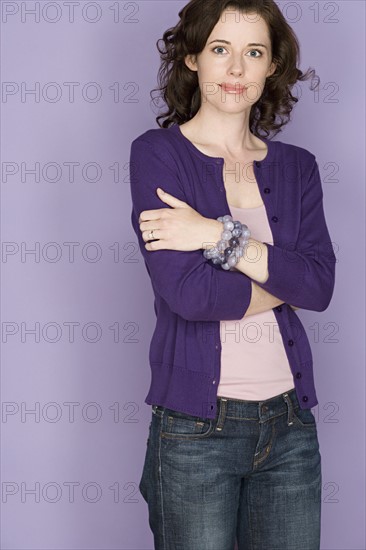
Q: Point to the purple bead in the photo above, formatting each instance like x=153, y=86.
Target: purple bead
x=226, y=235
x=221, y=245
x=228, y=251
x=228, y=226
x=208, y=253
x=232, y=245
x=234, y=242
x=232, y=260
x=239, y=252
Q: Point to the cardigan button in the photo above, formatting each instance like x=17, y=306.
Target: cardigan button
x=274, y=219
x=257, y=163
x=290, y=342
x=279, y=308
x=298, y=375
x=267, y=190
x=305, y=398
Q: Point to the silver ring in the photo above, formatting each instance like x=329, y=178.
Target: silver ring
x=151, y=234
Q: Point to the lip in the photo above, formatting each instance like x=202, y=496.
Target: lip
x=232, y=88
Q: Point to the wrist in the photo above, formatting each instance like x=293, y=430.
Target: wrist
x=213, y=234
x=229, y=248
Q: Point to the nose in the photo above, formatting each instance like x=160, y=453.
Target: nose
x=236, y=67
x=236, y=72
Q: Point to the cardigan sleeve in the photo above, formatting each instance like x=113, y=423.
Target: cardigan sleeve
x=303, y=273
x=193, y=288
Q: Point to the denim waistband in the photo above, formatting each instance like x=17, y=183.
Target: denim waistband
x=261, y=411
x=258, y=410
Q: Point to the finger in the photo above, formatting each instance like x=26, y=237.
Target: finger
x=147, y=215
x=169, y=199
x=147, y=237
x=155, y=245
x=144, y=226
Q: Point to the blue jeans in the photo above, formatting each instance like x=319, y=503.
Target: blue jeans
x=251, y=477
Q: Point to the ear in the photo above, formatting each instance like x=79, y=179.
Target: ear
x=191, y=62
x=271, y=69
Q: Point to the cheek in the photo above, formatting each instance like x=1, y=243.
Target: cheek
x=209, y=80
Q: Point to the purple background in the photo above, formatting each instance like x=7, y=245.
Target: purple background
x=44, y=449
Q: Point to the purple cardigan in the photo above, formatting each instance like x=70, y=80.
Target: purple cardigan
x=192, y=295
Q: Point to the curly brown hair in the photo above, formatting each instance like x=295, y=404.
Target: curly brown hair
x=179, y=86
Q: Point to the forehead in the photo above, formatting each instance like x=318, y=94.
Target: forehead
x=240, y=28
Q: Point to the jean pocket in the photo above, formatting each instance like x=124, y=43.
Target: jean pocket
x=178, y=425
x=305, y=417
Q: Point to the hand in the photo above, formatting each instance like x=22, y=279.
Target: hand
x=176, y=228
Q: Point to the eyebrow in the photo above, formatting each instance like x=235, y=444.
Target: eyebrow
x=229, y=43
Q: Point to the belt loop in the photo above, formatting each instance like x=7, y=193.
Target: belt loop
x=222, y=414
x=158, y=411
x=289, y=409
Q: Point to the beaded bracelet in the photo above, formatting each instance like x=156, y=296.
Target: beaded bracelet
x=230, y=248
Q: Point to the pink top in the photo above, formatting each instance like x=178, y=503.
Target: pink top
x=254, y=364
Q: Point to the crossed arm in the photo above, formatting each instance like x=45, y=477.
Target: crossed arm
x=254, y=264
x=304, y=275
x=262, y=300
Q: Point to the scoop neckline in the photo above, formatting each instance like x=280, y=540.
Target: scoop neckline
x=270, y=146
x=247, y=207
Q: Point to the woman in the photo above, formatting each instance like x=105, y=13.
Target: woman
x=232, y=453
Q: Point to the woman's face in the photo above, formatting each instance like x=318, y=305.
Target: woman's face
x=230, y=57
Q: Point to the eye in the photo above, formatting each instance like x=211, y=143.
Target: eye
x=221, y=47
x=256, y=51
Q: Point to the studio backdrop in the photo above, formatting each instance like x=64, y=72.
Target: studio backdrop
x=77, y=311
